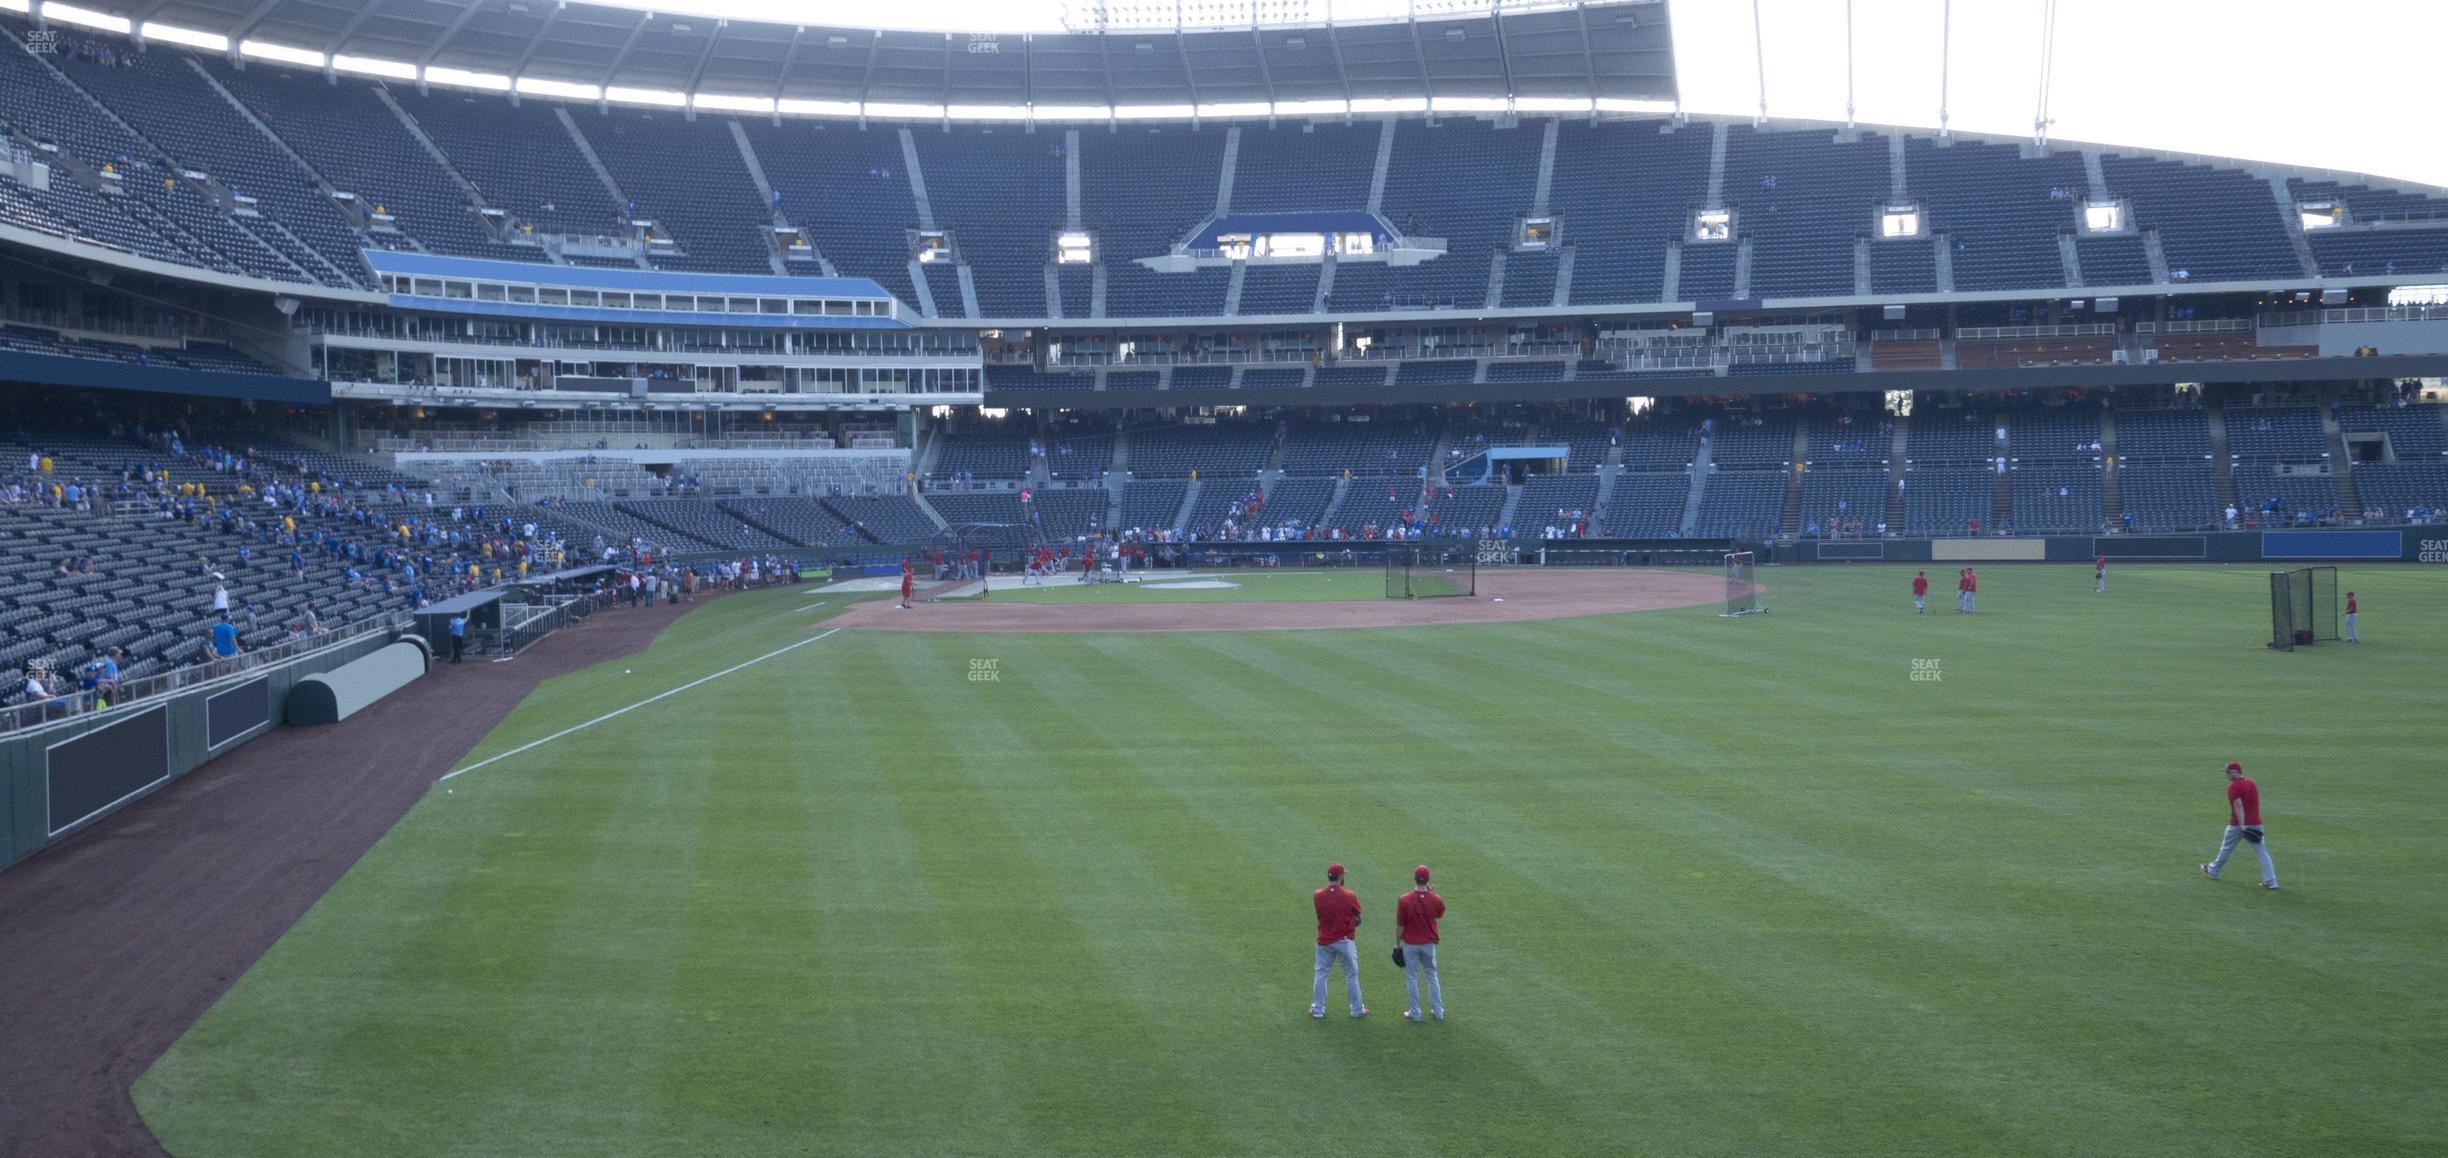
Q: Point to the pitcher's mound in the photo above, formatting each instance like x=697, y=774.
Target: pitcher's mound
x=1506, y=595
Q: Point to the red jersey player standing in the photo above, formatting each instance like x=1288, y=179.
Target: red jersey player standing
x=1416, y=915
x=1338, y=917
x=2243, y=823
x=2350, y=618
x=2099, y=574
x=905, y=582
x=1920, y=592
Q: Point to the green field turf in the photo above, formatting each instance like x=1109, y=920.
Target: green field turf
x=1717, y=887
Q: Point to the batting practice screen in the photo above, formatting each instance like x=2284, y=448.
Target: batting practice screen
x=1422, y=571
x=1741, y=589
x=2303, y=607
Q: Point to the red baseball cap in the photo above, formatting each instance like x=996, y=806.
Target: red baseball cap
x=1420, y=874
x=1334, y=870
x=2232, y=766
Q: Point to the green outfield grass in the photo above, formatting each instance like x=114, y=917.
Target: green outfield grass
x=1253, y=586
x=1717, y=887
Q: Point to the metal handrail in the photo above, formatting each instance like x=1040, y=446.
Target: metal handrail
x=73, y=704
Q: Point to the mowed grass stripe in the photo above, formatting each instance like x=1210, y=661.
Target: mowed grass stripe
x=1805, y=1067
x=1260, y=927
x=1099, y=1067
x=1528, y=1017
x=904, y=1039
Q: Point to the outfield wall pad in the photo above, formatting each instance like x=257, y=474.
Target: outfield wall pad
x=344, y=691
x=2340, y=544
x=1988, y=550
x=53, y=783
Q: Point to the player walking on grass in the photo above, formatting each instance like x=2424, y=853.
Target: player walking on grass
x=1338, y=916
x=2243, y=823
x=1920, y=592
x=2350, y=618
x=1416, y=916
x=2099, y=574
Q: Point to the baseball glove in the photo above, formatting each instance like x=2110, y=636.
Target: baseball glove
x=1398, y=955
x=2253, y=835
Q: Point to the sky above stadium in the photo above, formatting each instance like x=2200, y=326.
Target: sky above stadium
x=2340, y=84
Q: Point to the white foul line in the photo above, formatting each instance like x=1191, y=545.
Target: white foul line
x=811, y=606
x=633, y=707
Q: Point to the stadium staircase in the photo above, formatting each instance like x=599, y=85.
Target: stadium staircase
x=1894, y=511
x=2222, y=468
x=1073, y=218
x=1325, y=287
x=1189, y=503
x=2156, y=255
x=475, y=197
x=1385, y=162
x=594, y=163
x=1942, y=259
x=2001, y=501
x=1564, y=271
x=1096, y=291
x=2069, y=255
x=1606, y=493
x=1513, y=498
x=353, y=213
x=1789, y=516
x=1861, y=266
x=918, y=498
x=2349, y=500
x=2303, y=248
x=1232, y=288
x=1342, y=488
x=765, y=197
x=1224, y=172
x=1053, y=291
x=2112, y=497
x=1699, y=486
x=1670, y=282
x=1546, y=168
x=1495, y=283
x=1742, y=268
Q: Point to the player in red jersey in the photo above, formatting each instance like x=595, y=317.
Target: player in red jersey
x=2099, y=573
x=2350, y=618
x=905, y=582
x=1338, y=917
x=1416, y=915
x=1920, y=592
x=2243, y=823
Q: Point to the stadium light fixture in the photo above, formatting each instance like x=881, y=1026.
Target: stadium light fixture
x=538, y=86
x=173, y=34
x=461, y=78
x=85, y=17
x=265, y=50
x=657, y=97
x=374, y=66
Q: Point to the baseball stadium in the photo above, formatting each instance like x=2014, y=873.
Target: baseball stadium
x=738, y=578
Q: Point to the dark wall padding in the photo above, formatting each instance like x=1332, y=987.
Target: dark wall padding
x=106, y=765
x=237, y=712
x=344, y=691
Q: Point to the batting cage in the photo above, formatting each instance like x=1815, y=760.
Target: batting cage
x=1741, y=589
x=2303, y=607
x=1431, y=571
x=970, y=552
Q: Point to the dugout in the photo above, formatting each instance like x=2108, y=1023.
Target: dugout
x=570, y=581
x=482, y=608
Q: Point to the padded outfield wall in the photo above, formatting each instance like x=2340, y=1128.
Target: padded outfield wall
x=2323, y=545
x=62, y=776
